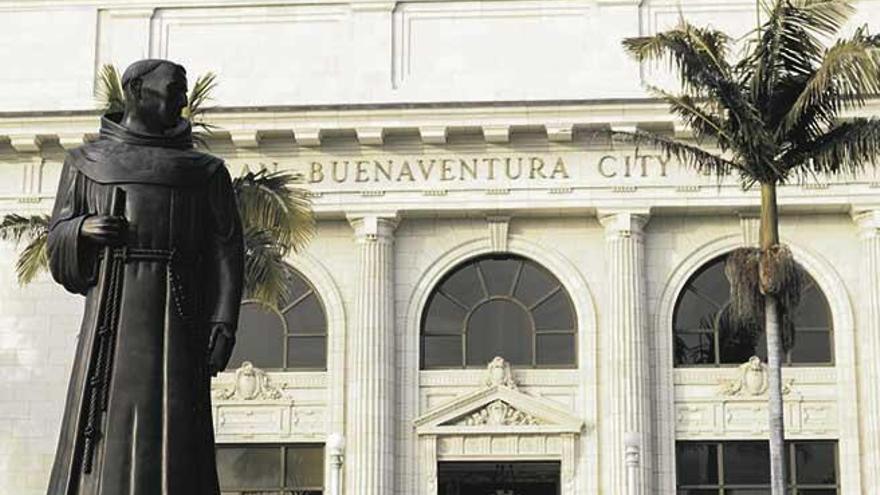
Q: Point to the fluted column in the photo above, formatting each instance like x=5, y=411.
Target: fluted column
x=868, y=339
x=624, y=376
x=371, y=398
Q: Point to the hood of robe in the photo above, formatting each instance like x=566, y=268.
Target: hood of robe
x=121, y=156
x=178, y=137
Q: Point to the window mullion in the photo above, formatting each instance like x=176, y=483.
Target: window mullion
x=516, y=277
x=283, y=481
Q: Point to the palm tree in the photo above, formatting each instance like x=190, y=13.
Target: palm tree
x=276, y=214
x=772, y=116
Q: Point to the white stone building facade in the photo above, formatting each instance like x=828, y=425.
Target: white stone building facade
x=432, y=137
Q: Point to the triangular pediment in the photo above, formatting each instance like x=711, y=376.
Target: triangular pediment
x=497, y=408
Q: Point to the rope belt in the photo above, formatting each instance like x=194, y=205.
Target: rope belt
x=130, y=254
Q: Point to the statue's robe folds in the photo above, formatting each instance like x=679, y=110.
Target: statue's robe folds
x=156, y=436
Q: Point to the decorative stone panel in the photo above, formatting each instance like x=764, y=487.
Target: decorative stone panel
x=253, y=405
x=732, y=402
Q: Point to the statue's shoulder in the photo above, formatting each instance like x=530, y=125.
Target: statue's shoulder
x=211, y=162
x=205, y=165
x=86, y=151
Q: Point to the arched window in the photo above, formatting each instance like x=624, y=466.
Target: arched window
x=294, y=338
x=500, y=305
x=704, y=335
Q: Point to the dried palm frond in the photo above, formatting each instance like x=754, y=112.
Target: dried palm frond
x=787, y=331
x=780, y=276
x=746, y=301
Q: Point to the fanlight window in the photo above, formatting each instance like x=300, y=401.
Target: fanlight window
x=294, y=338
x=704, y=334
x=504, y=306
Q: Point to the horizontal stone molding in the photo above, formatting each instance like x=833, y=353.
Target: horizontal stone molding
x=826, y=375
x=372, y=125
x=474, y=378
x=281, y=379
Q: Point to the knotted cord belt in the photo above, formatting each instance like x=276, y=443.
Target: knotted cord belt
x=99, y=381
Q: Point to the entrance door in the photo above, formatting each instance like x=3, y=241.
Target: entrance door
x=498, y=478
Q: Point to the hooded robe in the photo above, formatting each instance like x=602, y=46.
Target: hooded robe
x=180, y=270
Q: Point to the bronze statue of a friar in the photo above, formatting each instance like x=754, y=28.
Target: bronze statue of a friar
x=148, y=230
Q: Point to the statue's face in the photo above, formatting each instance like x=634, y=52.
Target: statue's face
x=163, y=95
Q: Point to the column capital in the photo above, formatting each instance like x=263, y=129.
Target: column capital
x=373, y=226
x=623, y=222
x=867, y=219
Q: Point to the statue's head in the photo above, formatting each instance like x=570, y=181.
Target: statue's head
x=155, y=94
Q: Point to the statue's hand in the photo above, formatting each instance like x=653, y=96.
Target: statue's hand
x=104, y=229
x=220, y=347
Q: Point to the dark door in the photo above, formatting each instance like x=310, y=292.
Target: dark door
x=498, y=478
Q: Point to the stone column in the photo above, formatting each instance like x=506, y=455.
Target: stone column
x=868, y=348
x=335, y=453
x=371, y=361
x=624, y=375
x=633, y=461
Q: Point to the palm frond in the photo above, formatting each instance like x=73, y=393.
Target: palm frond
x=847, y=148
x=698, y=55
x=196, y=109
x=790, y=41
x=200, y=94
x=848, y=74
x=687, y=154
x=269, y=201
x=266, y=273
x=701, y=116
x=790, y=47
x=111, y=98
x=16, y=227
x=33, y=260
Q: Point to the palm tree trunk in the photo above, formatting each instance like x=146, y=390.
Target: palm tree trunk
x=770, y=238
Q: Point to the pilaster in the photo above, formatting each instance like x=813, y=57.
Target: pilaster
x=371, y=365
x=868, y=337
x=625, y=426
x=750, y=226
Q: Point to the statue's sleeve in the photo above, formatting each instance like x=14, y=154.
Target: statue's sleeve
x=225, y=251
x=72, y=260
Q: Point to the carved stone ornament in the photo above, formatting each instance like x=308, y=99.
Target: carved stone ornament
x=752, y=380
x=498, y=413
x=499, y=374
x=251, y=383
